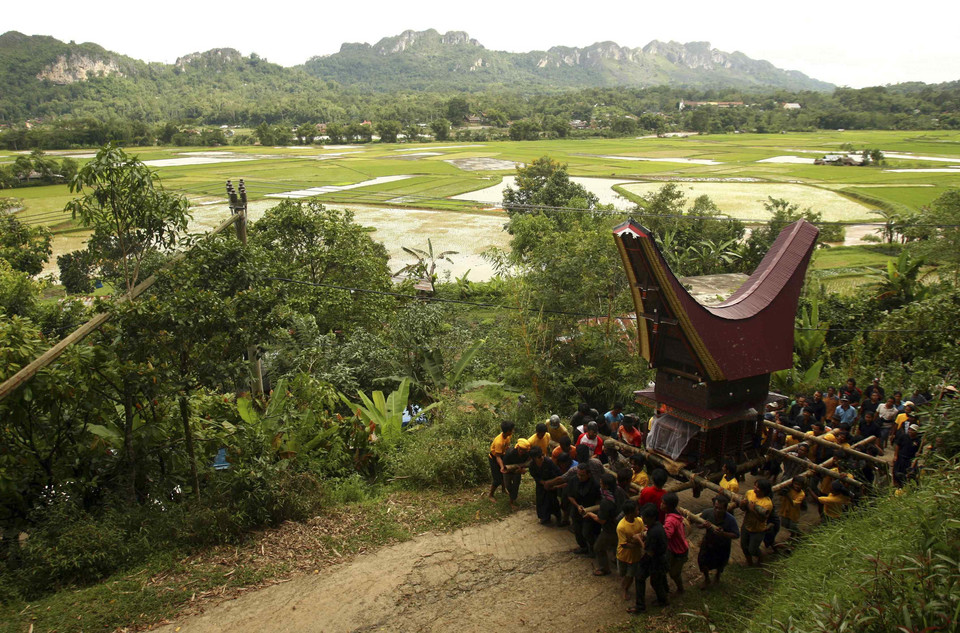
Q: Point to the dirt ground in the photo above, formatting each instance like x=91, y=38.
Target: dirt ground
x=499, y=576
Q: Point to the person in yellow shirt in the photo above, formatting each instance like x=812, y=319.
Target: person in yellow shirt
x=640, y=478
x=555, y=429
x=834, y=502
x=908, y=408
x=541, y=438
x=729, y=481
x=498, y=448
x=629, y=545
x=756, y=508
x=791, y=501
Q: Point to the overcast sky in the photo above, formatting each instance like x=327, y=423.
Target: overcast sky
x=846, y=43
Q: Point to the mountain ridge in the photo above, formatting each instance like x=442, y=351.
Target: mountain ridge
x=399, y=60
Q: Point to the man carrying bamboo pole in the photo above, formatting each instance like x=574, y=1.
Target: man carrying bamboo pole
x=715, y=547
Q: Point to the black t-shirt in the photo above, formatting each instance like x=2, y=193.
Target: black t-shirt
x=868, y=430
x=869, y=406
x=586, y=493
x=546, y=472
x=819, y=409
x=908, y=448
x=870, y=389
x=513, y=456
x=608, y=512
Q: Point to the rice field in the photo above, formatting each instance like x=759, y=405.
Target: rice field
x=745, y=200
x=424, y=190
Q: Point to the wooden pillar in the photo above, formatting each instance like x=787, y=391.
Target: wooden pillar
x=238, y=206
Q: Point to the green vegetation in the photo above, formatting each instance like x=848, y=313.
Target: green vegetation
x=110, y=456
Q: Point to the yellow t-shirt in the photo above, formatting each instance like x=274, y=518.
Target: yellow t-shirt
x=730, y=485
x=830, y=437
x=833, y=504
x=791, y=440
x=827, y=482
x=790, y=504
x=543, y=443
x=641, y=479
x=625, y=533
x=500, y=445
x=556, y=433
x=752, y=522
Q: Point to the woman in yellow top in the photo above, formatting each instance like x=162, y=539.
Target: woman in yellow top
x=729, y=481
x=834, y=502
x=790, y=504
x=756, y=508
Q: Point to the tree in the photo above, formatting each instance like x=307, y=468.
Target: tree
x=130, y=213
x=440, y=129
x=944, y=244
x=305, y=133
x=457, y=110
x=524, y=130
x=26, y=248
x=783, y=213
x=307, y=242
x=389, y=130
x=75, y=269
x=336, y=133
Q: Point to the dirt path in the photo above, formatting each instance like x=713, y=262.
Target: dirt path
x=498, y=576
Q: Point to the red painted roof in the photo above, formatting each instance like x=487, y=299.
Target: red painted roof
x=749, y=334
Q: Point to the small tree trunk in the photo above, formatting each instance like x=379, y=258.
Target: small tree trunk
x=129, y=454
x=188, y=436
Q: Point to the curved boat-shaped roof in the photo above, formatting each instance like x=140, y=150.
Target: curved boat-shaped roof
x=749, y=334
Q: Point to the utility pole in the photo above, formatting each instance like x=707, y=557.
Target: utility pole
x=238, y=207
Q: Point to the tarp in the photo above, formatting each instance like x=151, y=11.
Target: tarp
x=670, y=435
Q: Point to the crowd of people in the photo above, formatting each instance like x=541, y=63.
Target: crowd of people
x=615, y=501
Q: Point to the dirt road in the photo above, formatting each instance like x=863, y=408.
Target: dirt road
x=496, y=577
x=493, y=577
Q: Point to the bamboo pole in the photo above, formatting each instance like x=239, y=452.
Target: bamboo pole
x=826, y=472
x=826, y=464
x=827, y=443
x=30, y=370
x=690, y=475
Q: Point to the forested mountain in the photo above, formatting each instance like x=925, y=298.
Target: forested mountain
x=428, y=60
x=44, y=77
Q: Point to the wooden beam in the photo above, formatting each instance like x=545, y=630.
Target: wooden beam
x=690, y=475
x=30, y=370
x=827, y=464
x=826, y=472
x=828, y=444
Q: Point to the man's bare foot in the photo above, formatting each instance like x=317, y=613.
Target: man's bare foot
x=491, y=499
x=514, y=507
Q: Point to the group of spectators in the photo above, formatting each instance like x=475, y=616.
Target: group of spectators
x=869, y=418
x=591, y=486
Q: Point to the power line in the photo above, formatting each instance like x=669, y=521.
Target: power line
x=401, y=295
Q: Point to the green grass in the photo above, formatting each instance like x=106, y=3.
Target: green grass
x=874, y=256
x=282, y=169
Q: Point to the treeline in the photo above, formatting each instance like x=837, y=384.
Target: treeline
x=191, y=105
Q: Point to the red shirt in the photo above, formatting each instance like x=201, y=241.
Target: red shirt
x=652, y=494
x=676, y=533
x=596, y=443
x=633, y=438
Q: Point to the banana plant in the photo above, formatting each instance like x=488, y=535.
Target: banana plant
x=384, y=413
x=809, y=339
